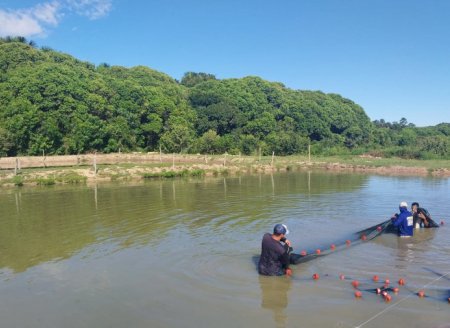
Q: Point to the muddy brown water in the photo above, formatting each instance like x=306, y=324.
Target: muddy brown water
x=182, y=253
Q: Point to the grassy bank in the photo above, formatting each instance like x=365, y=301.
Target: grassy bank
x=142, y=166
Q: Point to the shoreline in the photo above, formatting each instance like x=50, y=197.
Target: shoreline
x=66, y=169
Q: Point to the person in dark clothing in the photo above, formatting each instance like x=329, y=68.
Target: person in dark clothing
x=403, y=221
x=421, y=217
x=275, y=249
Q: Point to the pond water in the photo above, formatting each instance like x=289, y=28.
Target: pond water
x=183, y=253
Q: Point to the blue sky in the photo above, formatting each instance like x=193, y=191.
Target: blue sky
x=390, y=57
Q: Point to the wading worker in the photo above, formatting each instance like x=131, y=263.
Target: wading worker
x=403, y=221
x=275, y=249
x=422, y=219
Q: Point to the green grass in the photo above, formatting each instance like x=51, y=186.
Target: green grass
x=17, y=181
x=197, y=173
x=45, y=181
x=151, y=175
x=385, y=162
x=71, y=178
x=174, y=174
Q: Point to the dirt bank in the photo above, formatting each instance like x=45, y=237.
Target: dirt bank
x=113, y=167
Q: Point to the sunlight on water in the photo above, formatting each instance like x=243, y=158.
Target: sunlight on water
x=183, y=253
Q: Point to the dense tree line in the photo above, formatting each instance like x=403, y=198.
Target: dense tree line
x=53, y=103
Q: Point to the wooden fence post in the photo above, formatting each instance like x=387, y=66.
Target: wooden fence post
x=309, y=152
x=95, y=164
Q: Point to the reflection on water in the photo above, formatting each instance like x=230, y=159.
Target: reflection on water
x=274, y=297
x=409, y=248
x=50, y=223
x=178, y=253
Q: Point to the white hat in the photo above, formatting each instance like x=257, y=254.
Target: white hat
x=404, y=204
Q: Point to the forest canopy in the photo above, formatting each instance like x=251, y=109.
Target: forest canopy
x=53, y=103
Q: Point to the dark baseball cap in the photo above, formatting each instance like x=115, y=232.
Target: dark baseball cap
x=280, y=229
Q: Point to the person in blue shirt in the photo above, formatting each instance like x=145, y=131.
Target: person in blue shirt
x=404, y=221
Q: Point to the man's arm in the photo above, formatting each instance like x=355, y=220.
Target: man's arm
x=284, y=258
x=397, y=220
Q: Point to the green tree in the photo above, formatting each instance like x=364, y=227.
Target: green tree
x=210, y=143
x=285, y=143
x=191, y=79
x=437, y=145
x=179, y=133
x=5, y=142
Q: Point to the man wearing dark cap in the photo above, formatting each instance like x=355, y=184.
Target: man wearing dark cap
x=275, y=249
x=422, y=218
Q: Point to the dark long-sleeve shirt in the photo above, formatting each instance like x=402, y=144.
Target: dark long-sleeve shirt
x=274, y=257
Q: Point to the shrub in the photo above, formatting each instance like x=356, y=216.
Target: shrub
x=45, y=181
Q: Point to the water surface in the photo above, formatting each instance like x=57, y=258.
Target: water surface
x=182, y=253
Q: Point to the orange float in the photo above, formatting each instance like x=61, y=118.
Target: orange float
x=355, y=283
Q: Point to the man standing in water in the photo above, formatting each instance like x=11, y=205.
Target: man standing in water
x=275, y=249
x=422, y=218
x=403, y=221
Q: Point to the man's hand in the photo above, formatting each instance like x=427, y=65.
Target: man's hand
x=287, y=242
x=288, y=272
